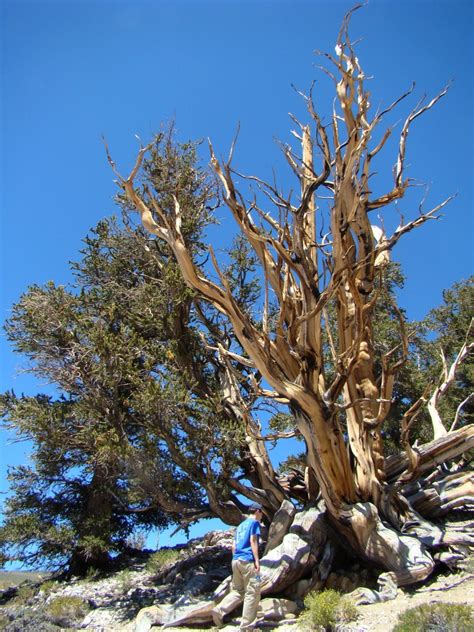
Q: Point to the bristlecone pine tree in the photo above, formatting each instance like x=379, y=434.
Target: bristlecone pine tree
x=150, y=422
x=340, y=406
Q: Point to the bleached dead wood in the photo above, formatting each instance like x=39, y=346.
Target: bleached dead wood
x=447, y=378
x=433, y=453
x=447, y=492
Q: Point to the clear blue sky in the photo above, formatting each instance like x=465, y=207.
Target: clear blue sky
x=72, y=71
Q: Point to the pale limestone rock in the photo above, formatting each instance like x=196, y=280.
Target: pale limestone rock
x=148, y=617
x=277, y=609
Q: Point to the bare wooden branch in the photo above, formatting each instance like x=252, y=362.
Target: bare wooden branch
x=468, y=400
x=418, y=111
x=409, y=226
x=447, y=379
x=434, y=453
x=407, y=421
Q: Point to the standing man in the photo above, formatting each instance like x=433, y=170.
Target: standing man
x=245, y=570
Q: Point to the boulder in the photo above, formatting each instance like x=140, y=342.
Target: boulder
x=148, y=617
x=301, y=588
x=101, y=619
x=277, y=609
x=198, y=584
x=189, y=613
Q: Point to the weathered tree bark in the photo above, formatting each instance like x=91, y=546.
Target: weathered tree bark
x=405, y=556
x=430, y=455
x=280, y=525
x=436, y=496
x=345, y=461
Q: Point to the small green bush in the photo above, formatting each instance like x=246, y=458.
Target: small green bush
x=327, y=608
x=92, y=574
x=125, y=580
x=24, y=593
x=438, y=617
x=49, y=586
x=161, y=558
x=469, y=564
x=4, y=621
x=29, y=620
x=65, y=610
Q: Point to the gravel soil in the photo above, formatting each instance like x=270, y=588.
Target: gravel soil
x=381, y=617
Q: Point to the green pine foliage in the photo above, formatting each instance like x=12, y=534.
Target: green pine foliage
x=451, y=325
x=137, y=430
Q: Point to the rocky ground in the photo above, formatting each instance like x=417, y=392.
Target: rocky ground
x=381, y=617
x=175, y=578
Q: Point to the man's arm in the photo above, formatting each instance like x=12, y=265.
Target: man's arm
x=254, y=546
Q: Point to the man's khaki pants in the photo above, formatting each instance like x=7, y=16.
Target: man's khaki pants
x=245, y=582
x=246, y=587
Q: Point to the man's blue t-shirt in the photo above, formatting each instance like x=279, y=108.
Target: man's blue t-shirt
x=243, y=550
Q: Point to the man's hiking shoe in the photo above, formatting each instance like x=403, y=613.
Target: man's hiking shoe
x=218, y=618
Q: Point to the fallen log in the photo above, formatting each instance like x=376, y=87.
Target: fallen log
x=432, y=454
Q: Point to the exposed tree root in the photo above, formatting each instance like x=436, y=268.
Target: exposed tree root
x=298, y=554
x=302, y=560
x=405, y=556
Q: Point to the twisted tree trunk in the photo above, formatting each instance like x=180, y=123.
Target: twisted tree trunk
x=100, y=509
x=341, y=418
